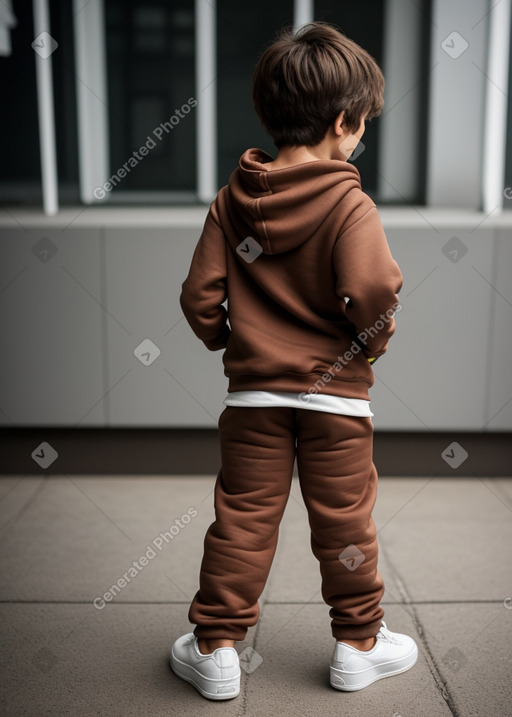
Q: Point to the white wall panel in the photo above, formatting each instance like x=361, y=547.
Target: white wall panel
x=185, y=385
x=70, y=325
x=456, y=103
x=51, y=371
x=434, y=376
x=499, y=400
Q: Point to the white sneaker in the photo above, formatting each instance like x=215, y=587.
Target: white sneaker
x=216, y=676
x=353, y=669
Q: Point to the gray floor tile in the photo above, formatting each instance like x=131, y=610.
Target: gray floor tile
x=73, y=538
x=450, y=540
x=471, y=646
x=79, y=535
x=75, y=661
x=69, y=539
x=16, y=495
x=296, y=645
x=502, y=487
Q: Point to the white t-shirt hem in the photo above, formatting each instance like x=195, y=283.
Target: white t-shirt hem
x=312, y=402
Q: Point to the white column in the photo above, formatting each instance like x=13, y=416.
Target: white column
x=456, y=103
x=43, y=47
x=399, y=122
x=92, y=98
x=495, y=124
x=206, y=92
x=303, y=13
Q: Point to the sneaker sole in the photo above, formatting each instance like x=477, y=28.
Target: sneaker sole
x=353, y=681
x=224, y=689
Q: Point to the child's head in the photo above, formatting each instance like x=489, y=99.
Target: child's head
x=304, y=80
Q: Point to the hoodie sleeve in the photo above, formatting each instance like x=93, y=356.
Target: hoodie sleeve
x=368, y=281
x=204, y=290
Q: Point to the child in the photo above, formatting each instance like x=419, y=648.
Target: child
x=299, y=252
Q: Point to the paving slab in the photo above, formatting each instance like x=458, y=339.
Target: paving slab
x=471, y=645
x=70, y=538
x=16, y=494
x=445, y=556
x=296, y=646
x=78, y=536
x=502, y=487
x=73, y=660
x=73, y=538
x=450, y=540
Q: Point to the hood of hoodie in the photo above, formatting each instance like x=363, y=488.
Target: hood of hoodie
x=283, y=208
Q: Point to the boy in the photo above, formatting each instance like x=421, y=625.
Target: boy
x=299, y=252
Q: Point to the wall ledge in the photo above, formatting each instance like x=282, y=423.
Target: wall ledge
x=189, y=451
x=79, y=217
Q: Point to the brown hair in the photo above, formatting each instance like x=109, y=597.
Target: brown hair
x=304, y=80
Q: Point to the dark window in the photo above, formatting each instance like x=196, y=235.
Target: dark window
x=362, y=22
x=243, y=31
x=64, y=90
x=151, y=76
x=19, y=126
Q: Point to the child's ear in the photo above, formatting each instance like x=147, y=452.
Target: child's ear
x=338, y=124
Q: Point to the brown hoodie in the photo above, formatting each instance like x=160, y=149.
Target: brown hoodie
x=301, y=256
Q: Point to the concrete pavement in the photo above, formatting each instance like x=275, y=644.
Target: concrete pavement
x=445, y=555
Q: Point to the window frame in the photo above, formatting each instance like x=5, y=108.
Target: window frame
x=485, y=187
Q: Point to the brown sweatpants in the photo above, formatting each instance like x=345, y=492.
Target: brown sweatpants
x=338, y=481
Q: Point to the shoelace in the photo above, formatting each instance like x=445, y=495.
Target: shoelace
x=386, y=635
